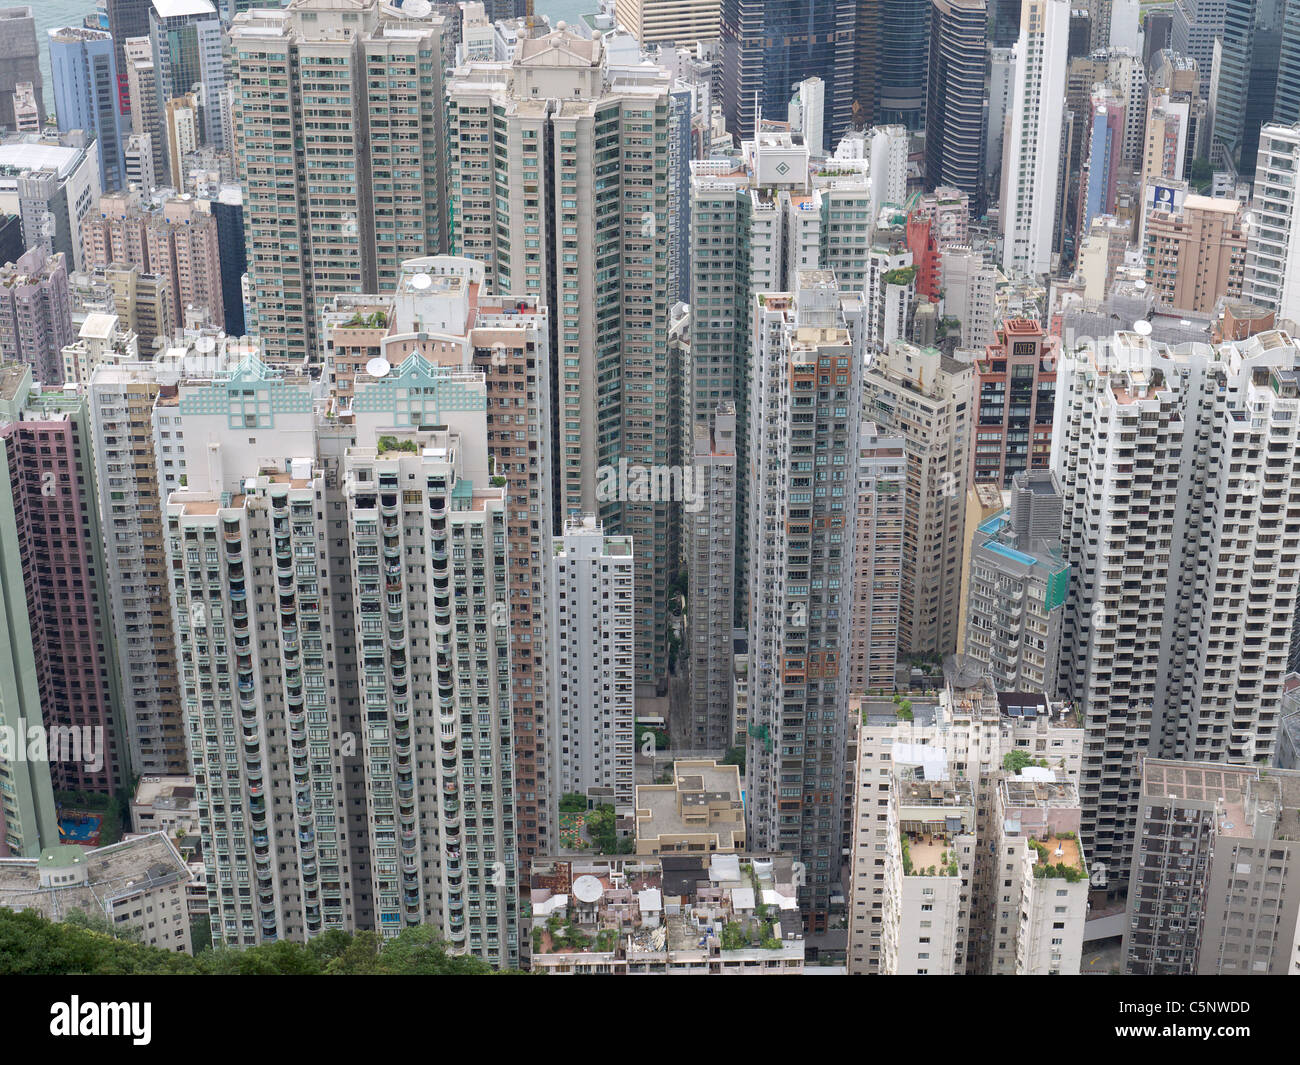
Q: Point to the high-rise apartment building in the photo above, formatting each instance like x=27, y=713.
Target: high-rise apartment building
x=429, y=583
x=171, y=236
x=591, y=663
x=443, y=311
x=360, y=90
x=711, y=525
x=802, y=512
x=50, y=478
x=1036, y=928
x=1015, y=385
x=926, y=398
x=1273, y=241
x=1176, y=467
x=756, y=220
x=122, y=395
x=84, y=75
x=1033, y=145
x=19, y=63
x=1016, y=588
x=1213, y=887
x=558, y=175
x=36, y=313
x=878, y=557
x=1196, y=253
x=954, y=119
x=768, y=48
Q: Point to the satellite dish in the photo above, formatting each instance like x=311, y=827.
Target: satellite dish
x=378, y=367
x=421, y=281
x=1140, y=285
x=1142, y=327
x=587, y=889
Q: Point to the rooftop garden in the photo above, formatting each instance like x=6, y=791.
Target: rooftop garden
x=374, y=320
x=1015, y=761
x=946, y=866
x=391, y=443
x=1067, y=866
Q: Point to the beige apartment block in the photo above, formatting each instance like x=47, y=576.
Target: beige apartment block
x=1196, y=256
x=700, y=811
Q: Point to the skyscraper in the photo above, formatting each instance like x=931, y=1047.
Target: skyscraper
x=1272, y=239
x=954, y=123
x=19, y=62
x=185, y=40
x=340, y=214
x=558, y=175
x=903, y=47
x=84, y=73
x=802, y=512
x=591, y=663
x=767, y=48
x=126, y=19
x=1033, y=147
x=1189, y=580
x=35, y=313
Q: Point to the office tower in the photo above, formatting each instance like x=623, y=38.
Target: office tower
x=1191, y=583
x=1209, y=838
x=968, y=280
x=549, y=184
x=954, y=119
x=1017, y=586
x=1015, y=384
x=122, y=396
x=591, y=663
x=227, y=210
x=926, y=398
x=1244, y=77
x=139, y=161
x=146, y=112
x=51, y=481
x=1196, y=25
x=1286, y=99
x=166, y=235
x=364, y=194
x=19, y=64
x=1033, y=147
x=866, y=60
x=35, y=313
x=262, y=698
x=878, y=558
x=1002, y=66
x=802, y=510
x=807, y=115
x=767, y=48
x=1099, y=180
x=443, y=310
x=905, y=43
x=680, y=22
x=1004, y=23
x=1157, y=32
x=180, y=120
x=27, y=114
x=1272, y=243
x=1037, y=845
x=712, y=523
x=185, y=44
x=85, y=95
x=127, y=19
x=1195, y=253
x=1080, y=33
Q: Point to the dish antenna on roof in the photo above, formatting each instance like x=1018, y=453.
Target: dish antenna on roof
x=1142, y=327
x=378, y=367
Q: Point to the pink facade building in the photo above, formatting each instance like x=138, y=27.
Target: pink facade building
x=50, y=475
x=36, y=313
